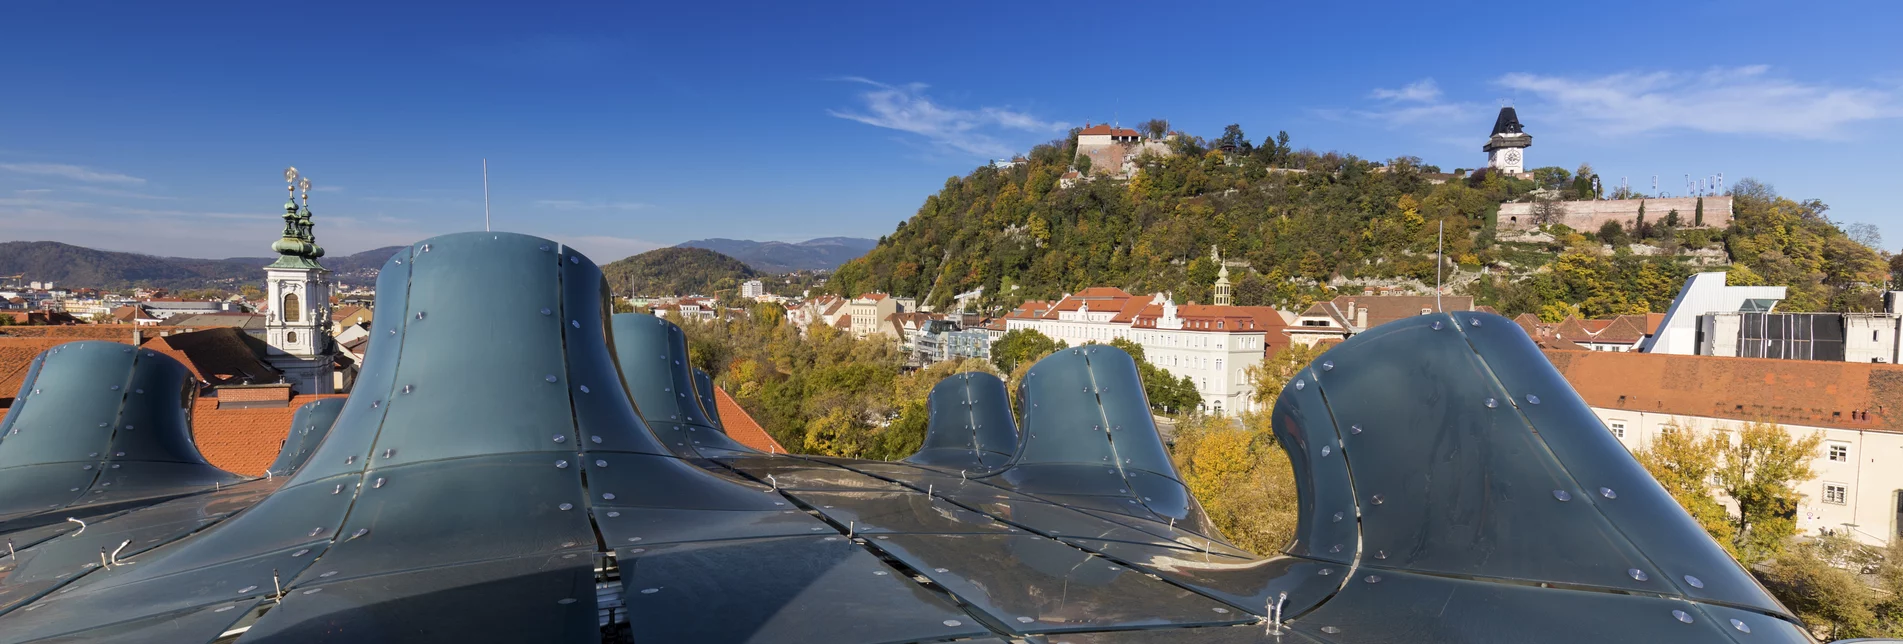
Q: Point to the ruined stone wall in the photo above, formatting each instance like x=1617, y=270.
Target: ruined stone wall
x=1588, y=216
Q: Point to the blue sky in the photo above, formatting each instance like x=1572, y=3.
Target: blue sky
x=163, y=127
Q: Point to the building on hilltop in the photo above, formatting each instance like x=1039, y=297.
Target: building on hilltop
x=1857, y=408
x=1113, y=151
x=1506, y=145
x=752, y=288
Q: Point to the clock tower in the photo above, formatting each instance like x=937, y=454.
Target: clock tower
x=1506, y=147
x=297, y=327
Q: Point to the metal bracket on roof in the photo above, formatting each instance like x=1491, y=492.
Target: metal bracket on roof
x=82, y=526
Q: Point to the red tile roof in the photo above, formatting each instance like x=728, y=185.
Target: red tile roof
x=1106, y=129
x=872, y=296
x=219, y=355
x=1850, y=395
x=741, y=427
x=244, y=441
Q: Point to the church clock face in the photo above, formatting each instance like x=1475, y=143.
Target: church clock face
x=1513, y=156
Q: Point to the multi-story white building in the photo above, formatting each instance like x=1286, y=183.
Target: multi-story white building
x=1857, y=409
x=751, y=289
x=869, y=313
x=1213, y=346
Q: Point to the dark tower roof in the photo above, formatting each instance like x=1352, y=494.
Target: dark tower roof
x=1507, y=123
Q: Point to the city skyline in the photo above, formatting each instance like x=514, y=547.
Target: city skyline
x=161, y=130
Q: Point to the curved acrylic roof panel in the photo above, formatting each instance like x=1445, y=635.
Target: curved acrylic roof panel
x=1088, y=439
x=100, y=426
x=704, y=390
x=1411, y=455
x=309, y=425
x=653, y=356
x=970, y=425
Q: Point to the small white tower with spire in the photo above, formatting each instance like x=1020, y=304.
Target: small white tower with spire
x=1222, y=279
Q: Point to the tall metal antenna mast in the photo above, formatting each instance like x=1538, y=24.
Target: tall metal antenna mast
x=1440, y=261
x=485, y=194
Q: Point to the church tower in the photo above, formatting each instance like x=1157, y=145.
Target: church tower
x=1222, y=281
x=298, y=288
x=1505, y=147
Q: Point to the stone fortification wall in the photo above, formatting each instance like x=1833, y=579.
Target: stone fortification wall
x=1588, y=216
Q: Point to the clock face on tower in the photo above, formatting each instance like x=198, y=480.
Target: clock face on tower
x=1513, y=156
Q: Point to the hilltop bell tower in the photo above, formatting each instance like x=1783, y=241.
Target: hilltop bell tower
x=298, y=325
x=1505, y=148
x=1222, y=279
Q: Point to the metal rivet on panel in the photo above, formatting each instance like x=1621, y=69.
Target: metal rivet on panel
x=350, y=459
x=573, y=259
x=1608, y=493
x=301, y=552
x=115, y=387
x=378, y=484
x=601, y=463
x=565, y=601
x=575, y=323
x=1492, y=403
x=389, y=452
x=650, y=591
x=1328, y=365
x=1331, y=630
x=1380, y=554
x=613, y=514
x=313, y=591
x=419, y=315
x=1354, y=429
x=246, y=589
x=1325, y=450
x=608, y=496
x=360, y=532
x=1221, y=610
x=1637, y=574
x=332, y=573
x=545, y=311
x=408, y=389
x=1335, y=548
x=544, y=247
x=596, y=439
x=1682, y=616
x=1694, y=581
x=1532, y=399
x=1741, y=626
x=1299, y=384
x=1338, y=516
x=1437, y=325
x=1378, y=499
x=1474, y=322
x=1372, y=579
x=1025, y=620
x=565, y=506
x=1325, y=572
x=559, y=438
x=584, y=389
x=561, y=465
x=1562, y=495
x=953, y=622
x=550, y=377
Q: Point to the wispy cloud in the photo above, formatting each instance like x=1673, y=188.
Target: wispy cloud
x=327, y=189
x=32, y=191
x=907, y=108
x=127, y=194
x=71, y=172
x=578, y=205
x=1724, y=100
x=183, y=232
x=1413, y=104
x=1424, y=90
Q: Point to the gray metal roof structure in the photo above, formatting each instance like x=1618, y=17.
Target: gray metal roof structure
x=525, y=467
x=969, y=424
x=704, y=389
x=309, y=425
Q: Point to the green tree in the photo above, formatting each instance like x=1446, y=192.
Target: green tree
x=1167, y=393
x=1020, y=347
x=1757, y=472
x=1233, y=138
x=1155, y=128
x=1698, y=213
x=1082, y=164
x=1612, y=233
x=1818, y=580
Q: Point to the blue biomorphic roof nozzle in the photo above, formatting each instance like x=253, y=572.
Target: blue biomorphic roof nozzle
x=309, y=425
x=98, y=427
x=704, y=388
x=654, y=363
x=969, y=425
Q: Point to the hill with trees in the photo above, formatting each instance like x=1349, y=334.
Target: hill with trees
x=1308, y=225
x=76, y=266
x=677, y=271
x=822, y=254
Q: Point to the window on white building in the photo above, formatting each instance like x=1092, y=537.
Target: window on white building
x=1840, y=452
x=1618, y=428
x=1836, y=493
x=1219, y=364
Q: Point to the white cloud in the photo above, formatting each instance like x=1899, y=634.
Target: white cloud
x=1417, y=103
x=71, y=172
x=1422, y=91
x=578, y=205
x=183, y=232
x=906, y=108
x=327, y=189
x=1735, y=100
x=115, y=192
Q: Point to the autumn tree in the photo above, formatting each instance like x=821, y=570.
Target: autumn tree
x=1274, y=373
x=1167, y=393
x=1241, y=476
x=1155, y=128
x=1683, y=460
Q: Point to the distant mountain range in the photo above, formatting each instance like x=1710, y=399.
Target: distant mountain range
x=824, y=254
x=72, y=266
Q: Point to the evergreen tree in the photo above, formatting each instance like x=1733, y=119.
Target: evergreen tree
x=1698, y=213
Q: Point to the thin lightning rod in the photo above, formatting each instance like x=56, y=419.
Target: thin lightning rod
x=1440, y=261
x=485, y=194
